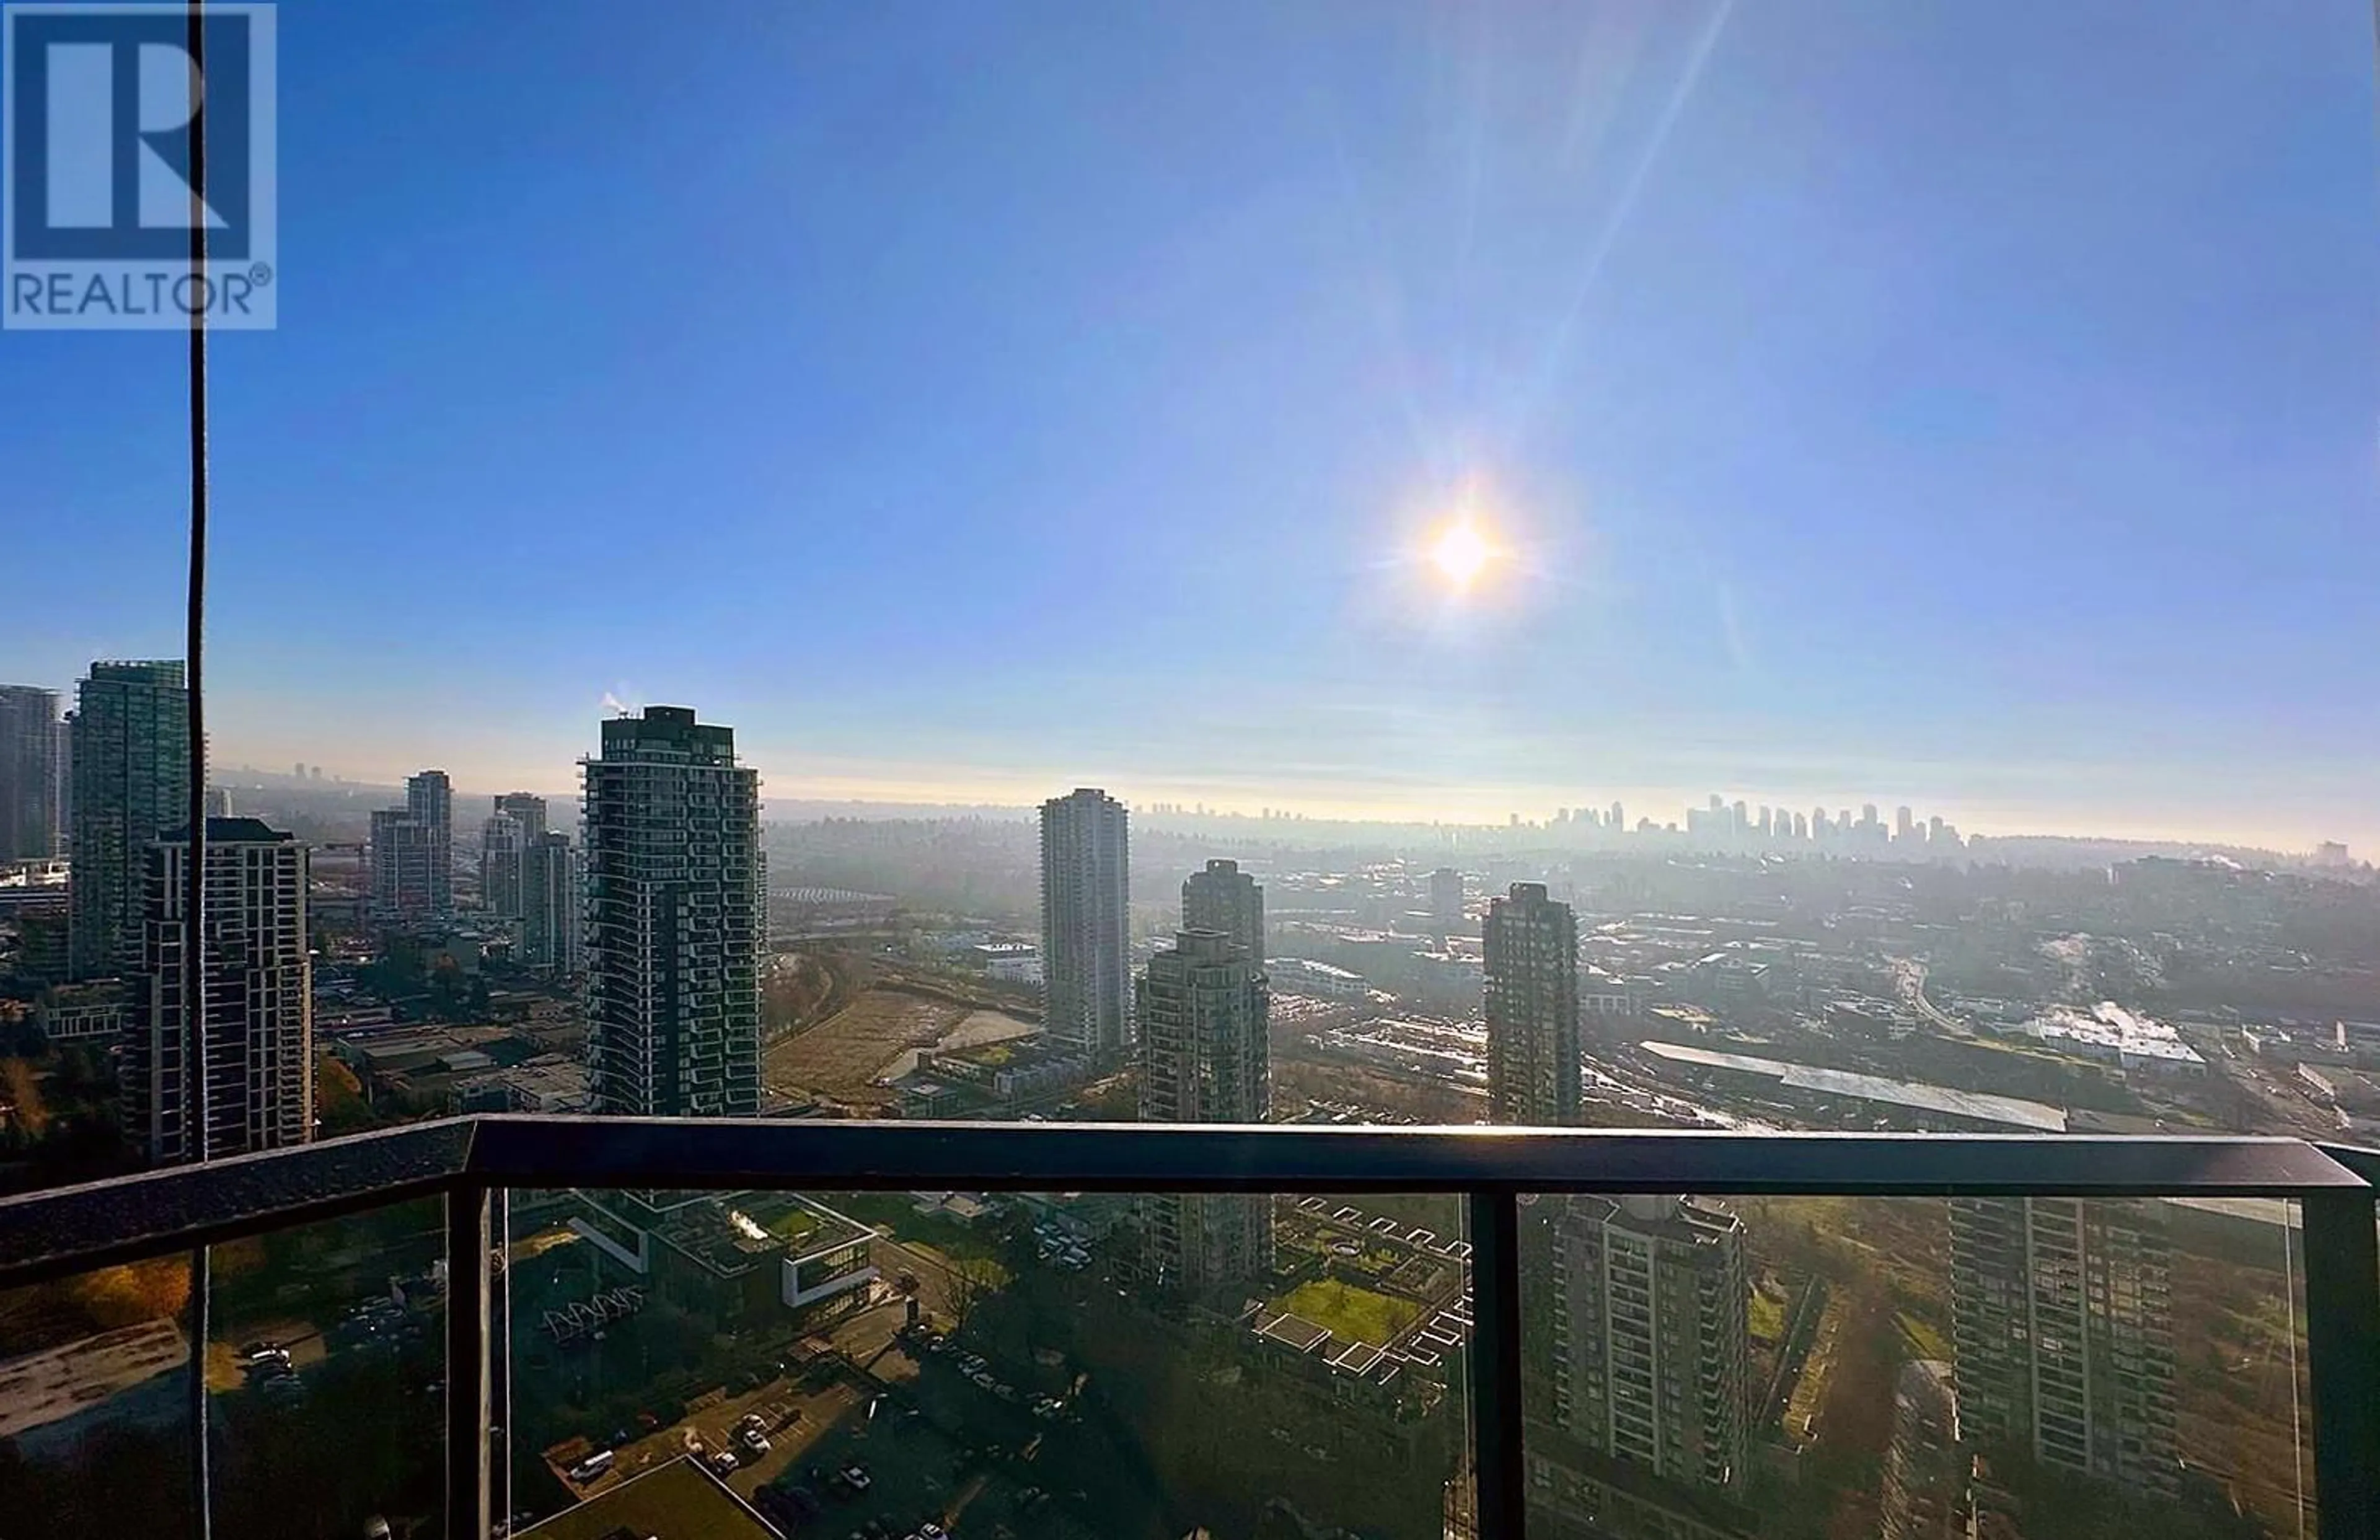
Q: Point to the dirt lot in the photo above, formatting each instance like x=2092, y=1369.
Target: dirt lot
x=840, y=1060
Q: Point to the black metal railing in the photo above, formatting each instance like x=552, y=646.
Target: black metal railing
x=51, y=1234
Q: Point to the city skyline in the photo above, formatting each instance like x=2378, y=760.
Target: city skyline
x=1019, y=796
x=1796, y=482
x=1856, y=825
x=2276, y=825
x=1641, y=1317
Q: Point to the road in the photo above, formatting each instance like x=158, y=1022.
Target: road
x=1912, y=974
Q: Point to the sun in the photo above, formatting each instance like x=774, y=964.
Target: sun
x=1460, y=552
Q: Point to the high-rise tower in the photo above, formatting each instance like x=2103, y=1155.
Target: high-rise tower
x=131, y=757
x=1224, y=898
x=1204, y=1058
x=551, y=877
x=1445, y=902
x=1531, y=1008
x=404, y=854
x=1086, y=931
x=675, y=918
x=1651, y=1335
x=2062, y=1336
x=526, y=807
x=430, y=802
x=28, y=773
x=503, y=843
x=260, y=1012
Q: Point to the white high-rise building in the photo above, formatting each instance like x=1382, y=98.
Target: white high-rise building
x=1086, y=931
x=675, y=918
x=1531, y=979
x=430, y=802
x=1652, y=1336
x=260, y=1010
x=1205, y=1057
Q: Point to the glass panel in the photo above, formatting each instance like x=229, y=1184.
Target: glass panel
x=94, y=1405
x=1913, y=1367
x=1044, y=1364
x=327, y=1364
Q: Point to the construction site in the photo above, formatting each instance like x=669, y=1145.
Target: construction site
x=842, y=1027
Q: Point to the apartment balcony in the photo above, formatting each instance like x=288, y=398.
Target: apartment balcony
x=446, y=1378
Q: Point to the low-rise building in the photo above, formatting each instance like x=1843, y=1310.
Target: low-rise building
x=1008, y=962
x=549, y=1083
x=1299, y=976
x=1604, y=993
x=735, y=1256
x=98, y=1011
x=1012, y=1073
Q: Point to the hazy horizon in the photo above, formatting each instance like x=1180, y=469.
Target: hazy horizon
x=1022, y=798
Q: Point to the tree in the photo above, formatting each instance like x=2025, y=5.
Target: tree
x=339, y=1097
x=127, y=1295
x=972, y=1278
x=21, y=1102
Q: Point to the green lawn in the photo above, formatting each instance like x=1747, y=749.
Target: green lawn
x=1925, y=1341
x=1356, y=1314
x=898, y=1212
x=793, y=1224
x=1768, y=1317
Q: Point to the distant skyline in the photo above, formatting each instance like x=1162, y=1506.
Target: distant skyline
x=1973, y=407
x=1663, y=808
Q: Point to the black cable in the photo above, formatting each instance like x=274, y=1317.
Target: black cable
x=196, y=1113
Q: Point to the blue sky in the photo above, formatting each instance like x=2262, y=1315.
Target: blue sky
x=1969, y=405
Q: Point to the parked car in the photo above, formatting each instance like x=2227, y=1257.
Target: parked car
x=592, y=1466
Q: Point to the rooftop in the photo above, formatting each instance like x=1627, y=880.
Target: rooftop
x=731, y=1231
x=1974, y=1105
x=2107, y=1026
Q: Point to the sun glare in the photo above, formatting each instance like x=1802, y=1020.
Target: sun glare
x=1460, y=553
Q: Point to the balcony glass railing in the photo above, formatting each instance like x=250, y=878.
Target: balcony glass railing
x=758, y=1329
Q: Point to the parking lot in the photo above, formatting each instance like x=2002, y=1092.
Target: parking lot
x=910, y=1446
